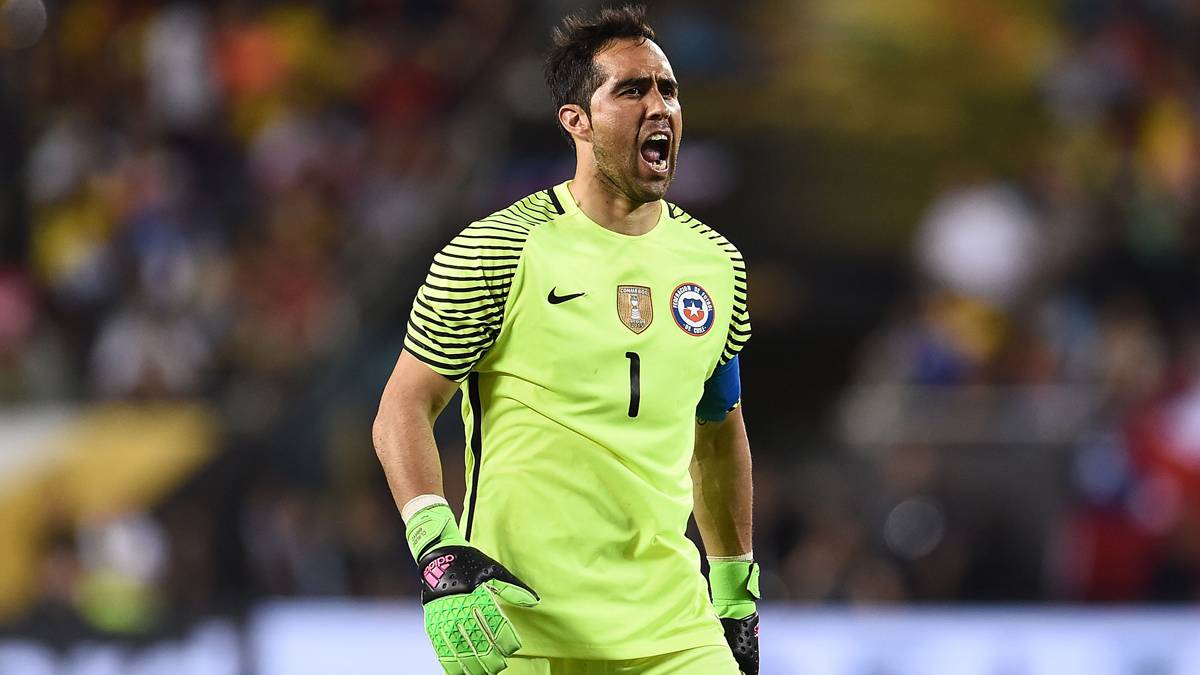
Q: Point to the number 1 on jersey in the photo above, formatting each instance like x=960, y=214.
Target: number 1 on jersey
x=635, y=382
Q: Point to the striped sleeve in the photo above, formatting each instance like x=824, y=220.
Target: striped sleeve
x=457, y=314
x=739, y=325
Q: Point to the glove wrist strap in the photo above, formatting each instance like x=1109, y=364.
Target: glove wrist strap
x=734, y=587
x=744, y=557
x=432, y=527
x=412, y=506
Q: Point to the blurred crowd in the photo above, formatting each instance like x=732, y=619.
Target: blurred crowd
x=1025, y=425
x=216, y=193
x=222, y=202
x=234, y=201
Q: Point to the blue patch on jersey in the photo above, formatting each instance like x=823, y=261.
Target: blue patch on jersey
x=692, y=308
x=722, y=392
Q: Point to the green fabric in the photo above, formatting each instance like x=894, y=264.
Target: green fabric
x=734, y=588
x=432, y=525
x=578, y=498
x=470, y=632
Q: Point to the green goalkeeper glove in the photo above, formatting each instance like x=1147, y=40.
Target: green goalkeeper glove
x=459, y=586
x=734, y=585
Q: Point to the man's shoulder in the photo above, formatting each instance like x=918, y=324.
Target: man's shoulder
x=704, y=235
x=502, y=234
x=526, y=213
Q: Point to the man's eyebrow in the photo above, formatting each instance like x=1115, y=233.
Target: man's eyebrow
x=644, y=81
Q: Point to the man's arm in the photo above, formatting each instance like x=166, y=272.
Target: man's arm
x=459, y=583
x=722, y=487
x=403, y=429
x=723, y=496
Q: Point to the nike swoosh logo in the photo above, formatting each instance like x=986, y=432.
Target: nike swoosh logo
x=557, y=299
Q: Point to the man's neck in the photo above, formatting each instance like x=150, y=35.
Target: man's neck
x=612, y=211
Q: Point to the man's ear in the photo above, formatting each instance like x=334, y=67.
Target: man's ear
x=576, y=122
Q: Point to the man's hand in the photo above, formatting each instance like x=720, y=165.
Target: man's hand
x=459, y=586
x=734, y=591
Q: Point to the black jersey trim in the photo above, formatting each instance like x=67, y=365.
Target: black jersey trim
x=478, y=257
x=459, y=322
x=464, y=289
x=469, y=315
x=484, y=300
x=483, y=247
x=476, y=446
x=489, y=277
x=462, y=316
x=490, y=236
x=471, y=346
x=468, y=359
x=494, y=223
x=554, y=200
x=510, y=220
x=484, y=333
x=457, y=370
x=472, y=269
x=527, y=211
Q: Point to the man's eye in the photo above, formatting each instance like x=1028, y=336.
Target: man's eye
x=633, y=90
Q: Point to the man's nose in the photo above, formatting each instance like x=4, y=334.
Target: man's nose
x=656, y=106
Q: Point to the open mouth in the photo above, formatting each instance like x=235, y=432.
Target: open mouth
x=655, y=151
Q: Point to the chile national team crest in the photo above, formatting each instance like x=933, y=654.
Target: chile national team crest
x=692, y=308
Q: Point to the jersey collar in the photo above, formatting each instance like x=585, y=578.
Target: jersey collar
x=571, y=210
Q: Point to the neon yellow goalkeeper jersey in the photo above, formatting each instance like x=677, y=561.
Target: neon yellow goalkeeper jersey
x=583, y=354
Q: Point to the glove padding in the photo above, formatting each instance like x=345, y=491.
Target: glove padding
x=734, y=585
x=470, y=633
x=742, y=636
x=459, y=586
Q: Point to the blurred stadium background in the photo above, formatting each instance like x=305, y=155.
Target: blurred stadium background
x=973, y=232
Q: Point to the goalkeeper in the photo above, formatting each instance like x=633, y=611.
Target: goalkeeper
x=592, y=434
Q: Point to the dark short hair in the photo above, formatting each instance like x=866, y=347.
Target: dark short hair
x=571, y=70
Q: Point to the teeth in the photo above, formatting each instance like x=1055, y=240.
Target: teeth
x=657, y=137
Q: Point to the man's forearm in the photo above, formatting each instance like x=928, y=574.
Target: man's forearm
x=408, y=453
x=722, y=486
x=403, y=433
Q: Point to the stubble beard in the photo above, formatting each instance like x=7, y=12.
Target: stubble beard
x=620, y=175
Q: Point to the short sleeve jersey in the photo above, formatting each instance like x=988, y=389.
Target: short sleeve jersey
x=583, y=354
